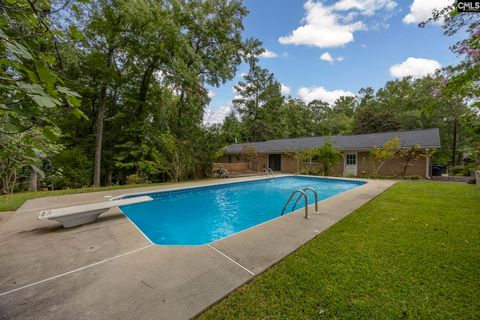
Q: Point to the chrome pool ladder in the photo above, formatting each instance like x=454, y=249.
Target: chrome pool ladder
x=302, y=193
x=269, y=172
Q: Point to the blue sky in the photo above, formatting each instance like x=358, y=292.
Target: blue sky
x=324, y=49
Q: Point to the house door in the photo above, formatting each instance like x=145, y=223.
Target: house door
x=275, y=162
x=350, y=164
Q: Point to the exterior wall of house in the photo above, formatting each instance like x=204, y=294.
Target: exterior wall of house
x=395, y=167
x=337, y=170
x=364, y=164
x=262, y=162
x=231, y=158
x=289, y=164
x=392, y=168
x=237, y=167
x=221, y=159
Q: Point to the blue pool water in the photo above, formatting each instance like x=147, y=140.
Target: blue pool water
x=205, y=214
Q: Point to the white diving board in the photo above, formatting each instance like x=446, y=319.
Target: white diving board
x=86, y=213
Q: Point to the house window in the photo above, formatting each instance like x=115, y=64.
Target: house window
x=351, y=159
x=229, y=159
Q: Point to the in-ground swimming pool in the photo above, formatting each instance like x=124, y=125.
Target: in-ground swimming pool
x=204, y=214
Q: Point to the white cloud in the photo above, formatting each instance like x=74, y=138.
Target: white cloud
x=211, y=94
x=320, y=93
x=363, y=45
x=421, y=10
x=286, y=90
x=415, y=67
x=217, y=116
x=326, y=56
x=323, y=28
x=267, y=54
x=366, y=7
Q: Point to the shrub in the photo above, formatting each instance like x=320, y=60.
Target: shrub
x=135, y=179
x=327, y=157
x=463, y=170
x=73, y=169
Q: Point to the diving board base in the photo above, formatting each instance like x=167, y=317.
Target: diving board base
x=78, y=215
x=79, y=219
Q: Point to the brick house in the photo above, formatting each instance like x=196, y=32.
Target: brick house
x=356, y=159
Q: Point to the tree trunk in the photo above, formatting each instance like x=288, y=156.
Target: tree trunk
x=33, y=181
x=408, y=160
x=142, y=96
x=109, y=177
x=99, y=133
x=98, y=140
x=14, y=180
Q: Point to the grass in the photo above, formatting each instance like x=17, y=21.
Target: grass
x=12, y=202
x=412, y=253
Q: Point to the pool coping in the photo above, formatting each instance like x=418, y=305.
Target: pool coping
x=49, y=273
x=301, y=209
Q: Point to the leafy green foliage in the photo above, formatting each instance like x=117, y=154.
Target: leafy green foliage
x=135, y=179
x=146, y=66
x=30, y=87
x=71, y=169
x=260, y=105
x=367, y=120
x=22, y=153
x=463, y=78
x=327, y=157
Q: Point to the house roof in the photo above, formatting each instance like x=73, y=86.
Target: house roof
x=429, y=138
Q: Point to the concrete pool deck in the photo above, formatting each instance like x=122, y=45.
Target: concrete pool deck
x=109, y=270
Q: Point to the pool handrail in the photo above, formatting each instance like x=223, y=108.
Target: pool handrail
x=268, y=172
x=305, y=197
x=316, y=199
x=271, y=172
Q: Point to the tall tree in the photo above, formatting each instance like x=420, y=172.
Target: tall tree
x=368, y=120
x=150, y=61
x=260, y=104
x=232, y=129
x=298, y=119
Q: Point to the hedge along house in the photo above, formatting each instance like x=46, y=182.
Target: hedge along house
x=356, y=153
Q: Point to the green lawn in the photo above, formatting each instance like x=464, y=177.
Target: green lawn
x=12, y=202
x=412, y=253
